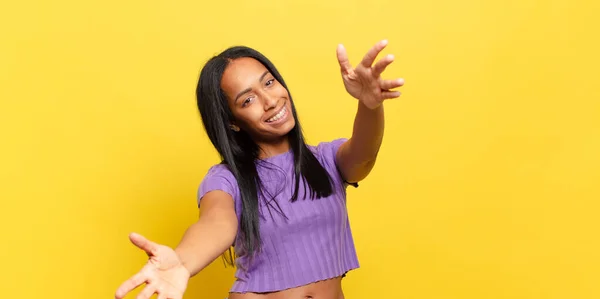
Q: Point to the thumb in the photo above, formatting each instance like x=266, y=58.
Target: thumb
x=146, y=245
x=342, y=57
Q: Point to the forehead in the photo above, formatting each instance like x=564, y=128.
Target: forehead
x=241, y=73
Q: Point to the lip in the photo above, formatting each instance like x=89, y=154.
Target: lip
x=282, y=119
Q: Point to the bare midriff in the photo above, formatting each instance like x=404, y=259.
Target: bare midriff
x=325, y=289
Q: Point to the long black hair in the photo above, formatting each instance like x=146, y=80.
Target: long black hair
x=240, y=153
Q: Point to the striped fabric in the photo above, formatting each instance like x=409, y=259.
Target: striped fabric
x=310, y=241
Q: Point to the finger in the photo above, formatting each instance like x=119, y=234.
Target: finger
x=391, y=84
x=380, y=66
x=147, y=292
x=342, y=57
x=390, y=94
x=372, y=53
x=162, y=296
x=148, y=246
x=129, y=285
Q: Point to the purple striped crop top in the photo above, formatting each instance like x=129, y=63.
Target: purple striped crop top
x=315, y=242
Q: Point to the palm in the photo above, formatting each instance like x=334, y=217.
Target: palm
x=167, y=269
x=364, y=82
x=358, y=83
x=163, y=273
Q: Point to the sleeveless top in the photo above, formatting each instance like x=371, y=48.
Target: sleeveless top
x=311, y=241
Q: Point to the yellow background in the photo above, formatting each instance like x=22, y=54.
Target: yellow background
x=486, y=185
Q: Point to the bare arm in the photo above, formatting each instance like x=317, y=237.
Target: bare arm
x=211, y=235
x=357, y=156
x=168, y=271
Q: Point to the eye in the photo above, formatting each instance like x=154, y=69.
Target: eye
x=247, y=102
x=271, y=81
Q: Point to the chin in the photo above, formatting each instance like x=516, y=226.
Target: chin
x=289, y=125
x=274, y=134
x=285, y=129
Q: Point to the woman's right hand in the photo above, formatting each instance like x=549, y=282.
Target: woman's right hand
x=164, y=274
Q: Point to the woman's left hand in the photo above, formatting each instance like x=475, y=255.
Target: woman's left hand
x=364, y=82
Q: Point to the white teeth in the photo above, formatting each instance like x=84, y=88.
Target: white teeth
x=278, y=116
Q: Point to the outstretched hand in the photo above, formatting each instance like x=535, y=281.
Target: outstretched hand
x=164, y=274
x=364, y=82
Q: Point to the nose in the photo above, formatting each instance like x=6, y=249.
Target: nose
x=270, y=101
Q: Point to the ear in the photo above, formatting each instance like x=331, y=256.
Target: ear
x=234, y=127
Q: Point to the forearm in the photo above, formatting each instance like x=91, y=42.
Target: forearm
x=357, y=157
x=204, y=241
x=367, y=134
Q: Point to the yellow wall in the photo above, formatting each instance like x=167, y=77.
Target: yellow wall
x=486, y=185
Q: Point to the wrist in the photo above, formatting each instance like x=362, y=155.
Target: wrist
x=369, y=104
x=183, y=262
x=370, y=108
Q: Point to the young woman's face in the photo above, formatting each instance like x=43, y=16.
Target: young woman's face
x=259, y=103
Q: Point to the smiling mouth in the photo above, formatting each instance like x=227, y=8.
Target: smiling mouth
x=278, y=116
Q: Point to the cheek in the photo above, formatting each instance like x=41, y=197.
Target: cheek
x=249, y=117
x=283, y=92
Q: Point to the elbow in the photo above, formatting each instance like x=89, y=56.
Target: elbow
x=358, y=172
x=223, y=225
x=228, y=227
x=231, y=229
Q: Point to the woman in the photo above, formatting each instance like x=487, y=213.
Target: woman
x=278, y=201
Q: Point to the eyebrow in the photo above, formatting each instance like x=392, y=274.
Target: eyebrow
x=249, y=89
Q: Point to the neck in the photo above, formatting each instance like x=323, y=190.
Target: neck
x=270, y=149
